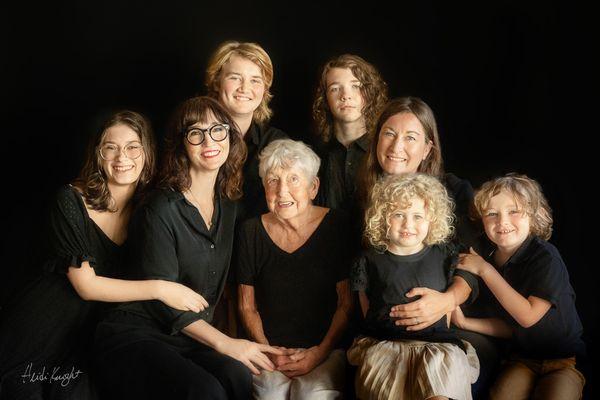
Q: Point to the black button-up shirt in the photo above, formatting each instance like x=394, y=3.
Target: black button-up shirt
x=257, y=138
x=170, y=241
x=339, y=173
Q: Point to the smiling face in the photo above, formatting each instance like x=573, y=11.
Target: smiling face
x=505, y=222
x=402, y=144
x=344, y=97
x=210, y=155
x=241, y=86
x=288, y=192
x=408, y=228
x=121, y=140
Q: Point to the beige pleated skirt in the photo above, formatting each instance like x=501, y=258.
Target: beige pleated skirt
x=412, y=370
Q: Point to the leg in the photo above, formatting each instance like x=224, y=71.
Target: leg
x=489, y=359
x=232, y=375
x=563, y=381
x=325, y=382
x=271, y=386
x=515, y=382
x=153, y=370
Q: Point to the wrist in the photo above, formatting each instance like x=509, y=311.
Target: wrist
x=451, y=301
x=156, y=289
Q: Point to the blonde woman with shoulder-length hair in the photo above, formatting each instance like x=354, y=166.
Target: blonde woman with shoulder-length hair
x=240, y=75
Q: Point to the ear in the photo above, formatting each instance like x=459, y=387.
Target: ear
x=314, y=188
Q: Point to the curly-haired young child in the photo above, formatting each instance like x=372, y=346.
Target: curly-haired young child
x=408, y=224
x=535, y=302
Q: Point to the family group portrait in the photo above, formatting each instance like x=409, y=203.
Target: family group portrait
x=297, y=201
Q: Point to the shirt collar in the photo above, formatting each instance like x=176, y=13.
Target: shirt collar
x=254, y=133
x=519, y=255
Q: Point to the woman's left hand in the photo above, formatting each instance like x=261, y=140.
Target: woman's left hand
x=304, y=361
x=419, y=314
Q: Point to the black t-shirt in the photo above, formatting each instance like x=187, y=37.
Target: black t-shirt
x=257, y=138
x=295, y=292
x=537, y=269
x=170, y=241
x=386, y=278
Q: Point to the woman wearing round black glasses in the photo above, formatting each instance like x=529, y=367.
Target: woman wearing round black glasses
x=184, y=233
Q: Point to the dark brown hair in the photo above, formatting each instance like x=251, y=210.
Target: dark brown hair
x=92, y=180
x=373, y=90
x=175, y=168
x=432, y=165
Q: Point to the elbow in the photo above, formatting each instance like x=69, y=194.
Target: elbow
x=527, y=322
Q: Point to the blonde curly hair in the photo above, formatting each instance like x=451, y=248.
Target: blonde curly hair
x=527, y=194
x=396, y=191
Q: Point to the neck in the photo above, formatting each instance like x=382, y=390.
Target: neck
x=121, y=195
x=203, y=183
x=243, y=122
x=502, y=254
x=405, y=251
x=297, y=223
x=347, y=132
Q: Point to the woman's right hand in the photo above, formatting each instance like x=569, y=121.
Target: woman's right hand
x=251, y=354
x=179, y=296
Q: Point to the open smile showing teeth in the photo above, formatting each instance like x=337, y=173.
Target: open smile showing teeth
x=505, y=231
x=285, y=203
x=122, y=168
x=406, y=234
x=210, y=153
x=242, y=98
x=396, y=159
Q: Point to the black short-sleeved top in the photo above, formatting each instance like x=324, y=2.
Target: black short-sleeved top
x=537, y=269
x=47, y=323
x=295, y=292
x=170, y=241
x=386, y=278
x=257, y=138
x=338, y=173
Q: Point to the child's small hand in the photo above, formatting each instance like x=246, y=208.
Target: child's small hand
x=472, y=262
x=458, y=318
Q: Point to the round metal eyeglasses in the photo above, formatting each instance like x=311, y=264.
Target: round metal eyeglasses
x=217, y=132
x=110, y=152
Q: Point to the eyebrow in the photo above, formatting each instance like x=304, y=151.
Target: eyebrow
x=392, y=129
x=337, y=82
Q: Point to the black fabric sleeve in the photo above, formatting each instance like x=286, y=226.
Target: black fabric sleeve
x=68, y=244
x=548, y=277
x=246, y=264
x=154, y=257
x=359, y=280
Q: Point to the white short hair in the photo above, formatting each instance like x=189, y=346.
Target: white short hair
x=285, y=153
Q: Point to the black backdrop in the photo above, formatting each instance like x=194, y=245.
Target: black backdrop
x=506, y=82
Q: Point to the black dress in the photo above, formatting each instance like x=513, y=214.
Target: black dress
x=46, y=332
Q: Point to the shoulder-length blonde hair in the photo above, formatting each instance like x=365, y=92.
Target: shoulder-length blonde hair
x=528, y=195
x=396, y=191
x=373, y=90
x=175, y=169
x=253, y=52
x=92, y=180
x=432, y=165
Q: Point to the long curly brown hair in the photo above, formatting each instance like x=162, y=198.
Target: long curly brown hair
x=432, y=165
x=175, y=168
x=92, y=181
x=373, y=90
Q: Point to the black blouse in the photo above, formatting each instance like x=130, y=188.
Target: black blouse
x=170, y=241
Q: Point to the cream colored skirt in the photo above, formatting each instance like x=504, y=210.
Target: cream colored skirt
x=412, y=370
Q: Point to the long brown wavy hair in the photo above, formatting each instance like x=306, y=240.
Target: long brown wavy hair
x=92, y=181
x=373, y=90
x=432, y=165
x=175, y=168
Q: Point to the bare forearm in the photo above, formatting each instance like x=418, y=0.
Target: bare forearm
x=104, y=289
x=488, y=326
x=459, y=292
x=340, y=319
x=205, y=333
x=253, y=325
x=516, y=305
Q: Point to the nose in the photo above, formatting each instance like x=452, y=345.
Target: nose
x=397, y=144
x=282, y=188
x=243, y=85
x=344, y=94
x=502, y=218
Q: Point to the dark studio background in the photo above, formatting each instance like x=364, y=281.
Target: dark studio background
x=505, y=80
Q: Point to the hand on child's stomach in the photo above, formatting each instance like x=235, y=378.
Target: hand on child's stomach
x=424, y=312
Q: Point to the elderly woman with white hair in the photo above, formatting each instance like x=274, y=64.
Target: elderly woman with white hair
x=292, y=272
